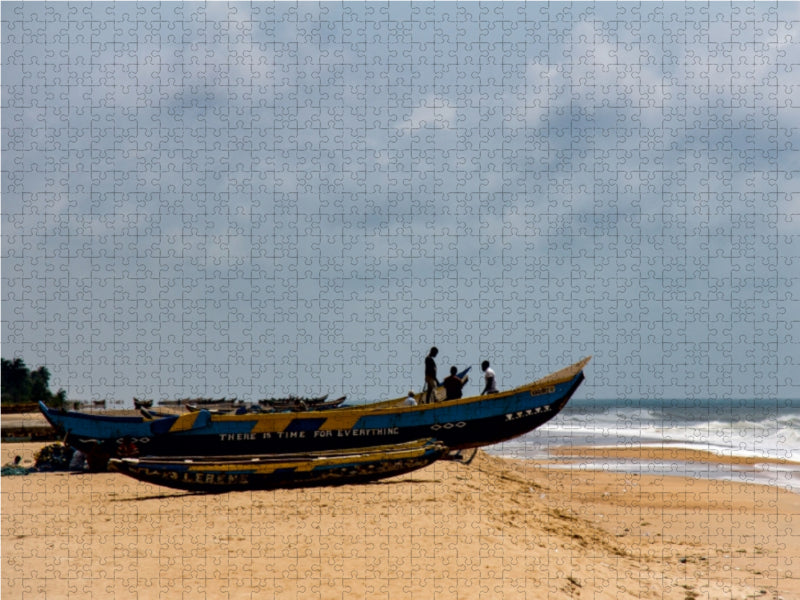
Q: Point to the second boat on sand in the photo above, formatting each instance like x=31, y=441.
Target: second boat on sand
x=230, y=473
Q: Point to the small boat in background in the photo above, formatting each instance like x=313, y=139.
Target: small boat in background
x=263, y=472
x=142, y=403
x=198, y=401
x=218, y=409
x=285, y=405
x=301, y=405
x=293, y=402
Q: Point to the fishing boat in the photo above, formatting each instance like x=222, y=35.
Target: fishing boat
x=301, y=405
x=200, y=401
x=215, y=409
x=333, y=467
x=292, y=401
x=468, y=422
x=294, y=405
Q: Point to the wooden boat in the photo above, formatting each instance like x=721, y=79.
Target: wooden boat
x=198, y=401
x=218, y=409
x=296, y=405
x=292, y=401
x=468, y=422
x=215, y=401
x=228, y=473
x=301, y=405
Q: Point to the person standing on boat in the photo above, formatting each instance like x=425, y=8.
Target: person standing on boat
x=453, y=384
x=488, y=373
x=431, y=383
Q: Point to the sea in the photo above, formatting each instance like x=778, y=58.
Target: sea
x=759, y=429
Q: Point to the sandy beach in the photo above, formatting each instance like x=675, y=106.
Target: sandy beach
x=497, y=528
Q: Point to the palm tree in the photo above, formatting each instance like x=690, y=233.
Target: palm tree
x=20, y=386
x=15, y=379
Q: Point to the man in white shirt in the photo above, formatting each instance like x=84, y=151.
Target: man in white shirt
x=491, y=386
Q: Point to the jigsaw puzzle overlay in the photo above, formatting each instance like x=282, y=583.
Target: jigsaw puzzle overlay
x=222, y=199
x=266, y=199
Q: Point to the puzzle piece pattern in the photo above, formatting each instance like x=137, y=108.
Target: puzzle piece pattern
x=232, y=199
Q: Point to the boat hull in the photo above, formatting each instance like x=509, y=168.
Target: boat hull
x=223, y=474
x=459, y=424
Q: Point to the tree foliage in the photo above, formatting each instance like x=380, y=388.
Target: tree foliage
x=20, y=385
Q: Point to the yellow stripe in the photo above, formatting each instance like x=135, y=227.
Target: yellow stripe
x=341, y=420
x=272, y=423
x=184, y=422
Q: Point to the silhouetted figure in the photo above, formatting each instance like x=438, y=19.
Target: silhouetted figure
x=453, y=384
x=431, y=383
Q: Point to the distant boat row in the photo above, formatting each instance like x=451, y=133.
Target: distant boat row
x=223, y=405
x=268, y=406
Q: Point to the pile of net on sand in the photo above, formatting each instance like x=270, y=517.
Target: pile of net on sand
x=53, y=457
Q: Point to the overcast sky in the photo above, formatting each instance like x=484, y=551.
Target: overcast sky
x=254, y=200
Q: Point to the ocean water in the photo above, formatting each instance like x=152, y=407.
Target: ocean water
x=768, y=429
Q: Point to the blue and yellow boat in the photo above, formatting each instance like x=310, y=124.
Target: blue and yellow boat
x=263, y=472
x=459, y=424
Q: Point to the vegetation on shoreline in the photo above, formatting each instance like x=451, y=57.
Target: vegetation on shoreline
x=20, y=385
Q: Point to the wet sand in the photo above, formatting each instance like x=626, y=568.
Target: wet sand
x=497, y=528
x=661, y=453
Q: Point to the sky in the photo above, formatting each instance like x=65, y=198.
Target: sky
x=254, y=200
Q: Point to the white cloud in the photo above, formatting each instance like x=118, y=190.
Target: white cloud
x=434, y=113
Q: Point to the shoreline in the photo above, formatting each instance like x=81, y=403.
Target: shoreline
x=646, y=452
x=667, y=461
x=499, y=527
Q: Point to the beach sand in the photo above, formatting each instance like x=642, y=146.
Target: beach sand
x=497, y=528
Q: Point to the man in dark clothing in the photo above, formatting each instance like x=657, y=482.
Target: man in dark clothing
x=431, y=383
x=453, y=384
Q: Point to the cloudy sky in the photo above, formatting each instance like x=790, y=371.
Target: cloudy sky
x=260, y=199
